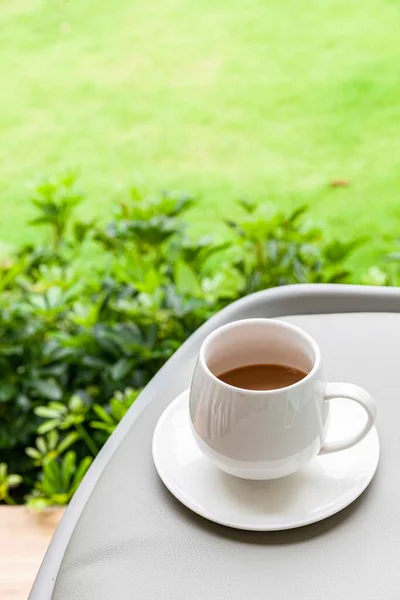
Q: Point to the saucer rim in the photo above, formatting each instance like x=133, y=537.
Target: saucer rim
x=249, y=527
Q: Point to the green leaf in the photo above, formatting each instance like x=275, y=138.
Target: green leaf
x=185, y=279
x=71, y=420
x=47, y=388
x=75, y=403
x=81, y=471
x=52, y=476
x=81, y=229
x=38, y=301
x=106, y=340
x=66, y=442
x=337, y=251
x=150, y=283
x=151, y=337
x=182, y=205
x=296, y=214
x=102, y=414
x=33, y=453
x=250, y=206
x=376, y=276
x=47, y=426
x=60, y=406
x=52, y=439
x=47, y=412
x=129, y=336
x=118, y=410
x=54, y=296
x=61, y=499
x=121, y=368
x=41, y=445
x=38, y=503
x=338, y=277
x=54, y=370
x=14, y=480
x=102, y=426
x=67, y=468
x=13, y=350
x=94, y=362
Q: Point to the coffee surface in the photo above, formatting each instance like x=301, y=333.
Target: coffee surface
x=262, y=376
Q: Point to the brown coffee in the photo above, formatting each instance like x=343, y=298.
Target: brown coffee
x=262, y=377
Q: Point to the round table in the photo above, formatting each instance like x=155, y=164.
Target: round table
x=124, y=536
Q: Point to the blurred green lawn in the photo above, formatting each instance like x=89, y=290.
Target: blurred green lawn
x=271, y=100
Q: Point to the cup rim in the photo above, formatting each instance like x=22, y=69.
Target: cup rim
x=262, y=321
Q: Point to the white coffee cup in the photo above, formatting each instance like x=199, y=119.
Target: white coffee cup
x=266, y=434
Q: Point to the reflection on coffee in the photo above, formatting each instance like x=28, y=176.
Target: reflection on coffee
x=262, y=377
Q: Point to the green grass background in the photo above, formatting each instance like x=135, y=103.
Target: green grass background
x=271, y=100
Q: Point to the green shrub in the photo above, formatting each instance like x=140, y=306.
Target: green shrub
x=97, y=310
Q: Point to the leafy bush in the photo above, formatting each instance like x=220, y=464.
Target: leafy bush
x=87, y=318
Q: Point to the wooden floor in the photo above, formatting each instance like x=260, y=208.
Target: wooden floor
x=24, y=537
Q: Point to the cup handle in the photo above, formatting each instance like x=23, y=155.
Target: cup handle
x=348, y=391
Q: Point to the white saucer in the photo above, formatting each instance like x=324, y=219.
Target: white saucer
x=326, y=486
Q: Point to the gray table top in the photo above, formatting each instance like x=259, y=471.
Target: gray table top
x=134, y=540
